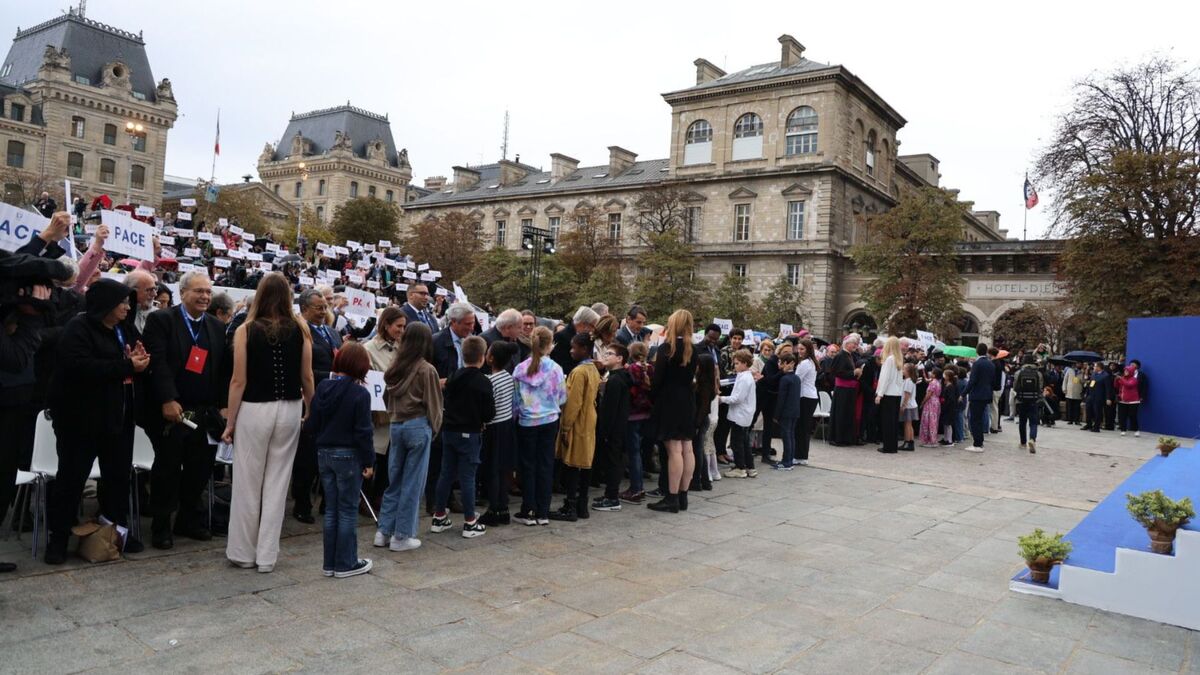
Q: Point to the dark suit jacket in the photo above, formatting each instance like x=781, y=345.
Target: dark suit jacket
x=169, y=343
x=980, y=380
x=413, y=317
x=1143, y=385
x=322, y=353
x=445, y=356
x=491, y=335
x=561, y=353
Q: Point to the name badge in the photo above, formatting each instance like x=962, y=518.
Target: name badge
x=196, y=360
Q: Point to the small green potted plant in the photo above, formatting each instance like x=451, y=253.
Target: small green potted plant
x=1042, y=552
x=1167, y=445
x=1161, y=516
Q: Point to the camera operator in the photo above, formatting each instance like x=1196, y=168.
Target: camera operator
x=25, y=310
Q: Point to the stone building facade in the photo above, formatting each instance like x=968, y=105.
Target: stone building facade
x=327, y=157
x=69, y=87
x=780, y=164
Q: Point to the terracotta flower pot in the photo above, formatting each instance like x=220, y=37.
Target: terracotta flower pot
x=1166, y=450
x=1039, y=570
x=1162, y=540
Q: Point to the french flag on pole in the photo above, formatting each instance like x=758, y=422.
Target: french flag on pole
x=1031, y=198
x=217, y=144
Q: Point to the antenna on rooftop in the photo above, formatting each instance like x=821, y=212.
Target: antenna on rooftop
x=504, y=145
x=82, y=8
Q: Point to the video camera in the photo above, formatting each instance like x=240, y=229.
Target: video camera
x=20, y=272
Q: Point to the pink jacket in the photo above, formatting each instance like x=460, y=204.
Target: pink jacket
x=1127, y=387
x=91, y=261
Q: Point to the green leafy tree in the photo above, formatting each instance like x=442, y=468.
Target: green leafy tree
x=781, y=305
x=606, y=285
x=365, y=219
x=665, y=280
x=450, y=243
x=1123, y=163
x=910, y=253
x=499, y=278
x=731, y=300
x=1023, y=327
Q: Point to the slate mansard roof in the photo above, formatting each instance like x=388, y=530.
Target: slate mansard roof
x=538, y=183
x=90, y=44
x=763, y=71
x=320, y=127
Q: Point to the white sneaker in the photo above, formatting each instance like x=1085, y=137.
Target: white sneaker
x=973, y=448
x=715, y=477
x=1032, y=447
x=1021, y=446
x=802, y=462
x=543, y=521
x=380, y=539
x=361, y=567
x=405, y=544
x=1137, y=434
x=1122, y=433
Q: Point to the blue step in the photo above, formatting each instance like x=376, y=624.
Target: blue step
x=1109, y=526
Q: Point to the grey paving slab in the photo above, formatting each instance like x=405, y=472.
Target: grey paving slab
x=639, y=634
x=1088, y=662
x=1044, y=615
x=910, y=629
x=675, y=661
x=944, y=606
x=604, y=596
x=699, y=608
x=570, y=652
x=856, y=654
x=1018, y=646
x=959, y=662
x=525, y=622
x=202, y=621
x=761, y=649
x=455, y=645
x=1147, y=642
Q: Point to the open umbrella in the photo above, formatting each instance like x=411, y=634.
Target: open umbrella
x=959, y=350
x=292, y=257
x=1079, y=356
x=1059, y=360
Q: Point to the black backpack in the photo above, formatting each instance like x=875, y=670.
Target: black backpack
x=1026, y=385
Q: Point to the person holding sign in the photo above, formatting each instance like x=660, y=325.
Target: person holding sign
x=272, y=371
x=94, y=394
x=188, y=355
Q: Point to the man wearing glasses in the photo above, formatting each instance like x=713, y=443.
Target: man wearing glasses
x=417, y=307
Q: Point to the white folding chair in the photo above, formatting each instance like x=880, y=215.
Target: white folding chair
x=143, y=462
x=44, y=466
x=824, y=403
x=212, y=485
x=28, y=486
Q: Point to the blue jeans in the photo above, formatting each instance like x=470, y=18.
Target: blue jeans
x=341, y=476
x=460, y=457
x=787, y=432
x=633, y=445
x=408, y=461
x=535, y=452
x=958, y=424
x=1028, y=410
x=975, y=419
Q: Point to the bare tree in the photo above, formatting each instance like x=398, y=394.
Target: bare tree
x=661, y=210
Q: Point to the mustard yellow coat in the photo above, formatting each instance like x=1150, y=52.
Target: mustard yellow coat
x=576, y=444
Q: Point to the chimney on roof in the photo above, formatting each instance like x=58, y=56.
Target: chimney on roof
x=706, y=72
x=435, y=183
x=561, y=166
x=511, y=172
x=464, y=178
x=619, y=159
x=792, y=51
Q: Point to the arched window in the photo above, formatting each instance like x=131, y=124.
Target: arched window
x=968, y=330
x=74, y=165
x=869, y=155
x=863, y=324
x=370, y=190
x=353, y=189
x=77, y=127
x=697, y=148
x=110, y=134
x=299, y=185
x=802, y=131
x=321, y=188
x=137, y=177
x=108, y=171
x=16, y=154
x=321, y=214
x=747, y=137
x=277, y=189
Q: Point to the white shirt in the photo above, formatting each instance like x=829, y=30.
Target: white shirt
x=889, y=378
x=910, y=388
x=741, y=400
x=807, y=373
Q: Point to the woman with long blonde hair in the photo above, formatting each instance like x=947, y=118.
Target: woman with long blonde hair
x=674, y=414
x=541, y=393
x=272, y=373
x=887, y=394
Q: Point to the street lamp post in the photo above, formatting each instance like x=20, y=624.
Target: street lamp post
x=134, y=130
x=300, y=204
x=537, y=241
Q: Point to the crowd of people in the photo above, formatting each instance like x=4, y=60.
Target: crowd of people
x=519, y=409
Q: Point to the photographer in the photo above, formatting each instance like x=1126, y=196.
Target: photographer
x=25, y=295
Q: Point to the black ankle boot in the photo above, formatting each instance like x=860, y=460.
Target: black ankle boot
x=565, y=513
x=581, y=508
x=669, y=504
x=683, y=501
x=56, y=549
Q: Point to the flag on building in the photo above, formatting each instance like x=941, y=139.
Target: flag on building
x=1031, y=198
x=217, y=145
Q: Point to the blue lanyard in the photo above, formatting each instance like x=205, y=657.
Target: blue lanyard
x=187, y=321
x=120, y=337
x=324, y=332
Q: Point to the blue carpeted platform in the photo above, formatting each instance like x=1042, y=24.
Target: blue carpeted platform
x=1109, y=526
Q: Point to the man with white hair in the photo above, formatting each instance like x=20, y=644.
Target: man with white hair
x=145, y=284
x=845, y=393
x=447, y=343
x=508, y=327
x=584, y=321
x=600, y=308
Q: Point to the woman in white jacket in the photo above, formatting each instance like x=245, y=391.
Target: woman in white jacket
x=887, y=394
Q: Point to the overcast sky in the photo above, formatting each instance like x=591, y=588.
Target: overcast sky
x=979, y=86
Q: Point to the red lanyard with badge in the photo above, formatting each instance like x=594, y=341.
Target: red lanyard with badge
x=199, y=355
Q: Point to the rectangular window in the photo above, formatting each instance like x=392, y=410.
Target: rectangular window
x=83, y=79
x=77, y=127
x=692, y=223
x=74, y=165
x=526, y=222
x=321, y=188
x=353, y=188
x=16, y=154
x=298, y=186
x=501, y=232
x=108, y=171
x=741, y=222
x=110, y=134
x=555, y=226
x=139, y=142
x=371, y=191
x=389, y=196
x=795, y=221
x=17, y=112
x=739, y=270
x=137, y=177
x=614, y=226
x=794, y=273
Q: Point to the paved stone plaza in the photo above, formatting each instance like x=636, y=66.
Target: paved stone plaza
x=859, y=563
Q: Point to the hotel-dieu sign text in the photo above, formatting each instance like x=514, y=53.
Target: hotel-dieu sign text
x=1017, y=290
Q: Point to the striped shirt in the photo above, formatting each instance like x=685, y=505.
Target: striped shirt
x=503, y=387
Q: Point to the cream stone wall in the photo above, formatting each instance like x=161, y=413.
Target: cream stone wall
x=339, y=169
